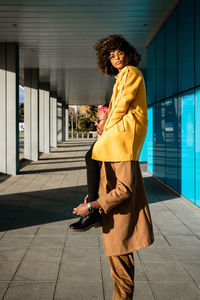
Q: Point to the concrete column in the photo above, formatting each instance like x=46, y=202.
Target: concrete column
x=44, y=118
x=59, y=124
x=9, y=110
x=31, y=114
x=66, y=123
x=63, y=122
x=53, y=120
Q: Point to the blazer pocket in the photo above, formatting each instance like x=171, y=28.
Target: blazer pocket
x=121, y=126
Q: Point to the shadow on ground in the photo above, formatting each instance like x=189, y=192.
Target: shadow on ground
x=59, y=158
x=21, y=210
x=4, y=177
x=74, y=145
x=159, y=193
x=60, y=162
x=66, y=151
x=52, y=170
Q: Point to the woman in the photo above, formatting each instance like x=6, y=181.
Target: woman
x=126, y=125
x=126, y=220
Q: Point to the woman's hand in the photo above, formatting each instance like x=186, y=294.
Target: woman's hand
x=81, y=210
x=86, y=199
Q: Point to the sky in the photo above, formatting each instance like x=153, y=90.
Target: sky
x=21, y=94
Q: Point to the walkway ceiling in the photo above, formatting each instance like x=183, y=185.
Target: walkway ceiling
x=57, y=36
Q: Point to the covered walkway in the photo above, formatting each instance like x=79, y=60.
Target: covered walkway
x=41, y=259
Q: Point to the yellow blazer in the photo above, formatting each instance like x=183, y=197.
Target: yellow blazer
x=126, y=126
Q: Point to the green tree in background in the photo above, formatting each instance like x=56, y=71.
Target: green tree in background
x=86, y=119
x=21, y=112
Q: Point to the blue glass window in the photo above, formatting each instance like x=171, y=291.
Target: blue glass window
x=149, y=140
x=171, y=138
x=159, y=141
x=197, y=144
x=171, y=55
x=185, y=45
x=160, y=64
x=187, y=146
x=197, y=43
x=151, y=73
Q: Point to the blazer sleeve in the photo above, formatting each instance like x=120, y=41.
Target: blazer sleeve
x=128, y=88
x=124, y=186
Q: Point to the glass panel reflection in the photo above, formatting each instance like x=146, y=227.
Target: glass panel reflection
x=187, y=145
x=171, y=138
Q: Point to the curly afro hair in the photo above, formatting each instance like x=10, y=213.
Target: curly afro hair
x=111, y=43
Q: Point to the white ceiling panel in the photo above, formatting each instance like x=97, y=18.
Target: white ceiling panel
x=57, y=36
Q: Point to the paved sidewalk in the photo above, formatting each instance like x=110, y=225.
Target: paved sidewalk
x=40, y=259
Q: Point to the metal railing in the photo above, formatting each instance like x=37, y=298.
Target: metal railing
x=82, y=135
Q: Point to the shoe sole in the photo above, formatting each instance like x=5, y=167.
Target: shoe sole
x=95, y=225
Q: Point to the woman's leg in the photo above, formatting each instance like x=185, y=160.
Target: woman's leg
x=93, y=176
x=122, y=272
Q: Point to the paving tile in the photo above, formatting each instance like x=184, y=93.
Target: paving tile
x=165, y=215
x=48, y=241
x=157, y=207
x=157, y=254
x=28, y=231
x=139, y=272
x=80, y=271
x=193, y=268
x=79, y=290
x=13, y=241
x=2, y=234
x=156, y=230
x=8, y=269
x=30, y=291
x=61, y=223
x=108, y=289
x=3, y=287
x=143, y=291
x=187, y=252
x=174, y=230
x=43, y=255
x=76, y=241
x=194, y=228
x=12, y=254
x=160, y=270
x=102, y=253
x=164, y=222
x=101, y=242
x=136, y=256
x=37, y=217
x=168, y=290
x=159, y=241
x=105, y=266
x=81, y=254
x=183, y=240
x=37, y=271
x=52, y=231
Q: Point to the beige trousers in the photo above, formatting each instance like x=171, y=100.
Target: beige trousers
x=122, y=272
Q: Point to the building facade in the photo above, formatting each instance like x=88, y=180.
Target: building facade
x=173, y=92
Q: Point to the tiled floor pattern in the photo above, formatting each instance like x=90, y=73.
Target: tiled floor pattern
x=40, y=259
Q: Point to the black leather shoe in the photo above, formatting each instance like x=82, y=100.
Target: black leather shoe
x=85, y=223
